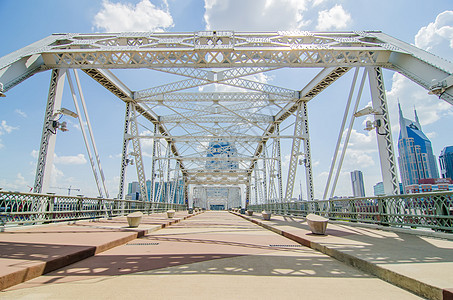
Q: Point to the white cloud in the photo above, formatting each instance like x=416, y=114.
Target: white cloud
x=431, y=135
x=145, y=16
x=5, y=128
x=361, y=148
x=317, y=2
x=78, y=159
x=146, y=144
x=21, y=113
x=437, y=32
x=253, y=15
x=334, y=18
x=34, y=153
x=113, y=156
x=18, y=184
x=55, y=175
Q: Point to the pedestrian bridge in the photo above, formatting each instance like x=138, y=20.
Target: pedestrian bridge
x=217, y=145
x=78, y=246
x=222, y=255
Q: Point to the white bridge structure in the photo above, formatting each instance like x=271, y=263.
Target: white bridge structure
x=227, y=140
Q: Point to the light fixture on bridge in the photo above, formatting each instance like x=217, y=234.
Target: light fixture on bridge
x=57, y=125
x=1, y=90
x=370, y=125
x=68, y=112
x=439, y=87
x=367, y=111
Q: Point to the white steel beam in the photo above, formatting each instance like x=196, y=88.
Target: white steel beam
x=384, y=132
x=48, y=138
x=124, y=155
x=85, y=139
x=215, y=96
x=90, y=131
x=138, y=156
x=295, y=152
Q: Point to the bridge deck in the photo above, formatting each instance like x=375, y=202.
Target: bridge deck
x=210, y=255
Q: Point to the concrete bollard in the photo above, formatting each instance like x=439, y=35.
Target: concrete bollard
x=249, y=212
x=266, y=215
x=170, y=213
x=134, y=219
x=317, y=224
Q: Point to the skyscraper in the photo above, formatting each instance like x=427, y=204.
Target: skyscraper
x=358, y=188
x=416, y=159
x=446, y=162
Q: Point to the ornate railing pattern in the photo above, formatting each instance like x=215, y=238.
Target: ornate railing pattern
x=23, y=208
x=426, y=210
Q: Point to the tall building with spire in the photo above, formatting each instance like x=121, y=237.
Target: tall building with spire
x=416, y=159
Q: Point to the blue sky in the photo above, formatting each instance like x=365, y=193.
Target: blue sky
x=428, y=24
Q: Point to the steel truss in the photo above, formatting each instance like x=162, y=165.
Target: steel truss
x=223, y=138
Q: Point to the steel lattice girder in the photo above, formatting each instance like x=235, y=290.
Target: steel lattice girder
x=234, y=55
x=224, y=49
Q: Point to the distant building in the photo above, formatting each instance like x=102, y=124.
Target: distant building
x=163, y=192
x=416, y=159
x=133, y=190
x=430, y=185
x=378, y=189
x=446, y=162
x=358, y=189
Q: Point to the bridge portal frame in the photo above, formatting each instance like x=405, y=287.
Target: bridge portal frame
x=235, y=55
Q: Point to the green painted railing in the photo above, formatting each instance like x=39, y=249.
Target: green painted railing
x=425, y=210
x=23, y=208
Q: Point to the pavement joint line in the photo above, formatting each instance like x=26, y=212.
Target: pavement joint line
x=20, y=276
x=410, y=284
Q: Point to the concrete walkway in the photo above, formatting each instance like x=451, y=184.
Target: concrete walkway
x=213, y=255
x=421, y=264
x=31, y=251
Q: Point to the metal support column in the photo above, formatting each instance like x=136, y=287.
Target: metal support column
x=256, y=182
x=295, y=151
x=384, y=132
x=124, y=159
x=167, y=177
x=266, y=190
x=48, y=138
x=307, y=151
x=153, y=168
x=85, y=139
x=247, y=191
x=138, y=156
x=90, y=131
x=279, y=164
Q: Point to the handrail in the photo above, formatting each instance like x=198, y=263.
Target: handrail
x=424, y=210
x=31, y=208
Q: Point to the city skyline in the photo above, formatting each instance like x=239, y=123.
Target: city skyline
x=22, y=111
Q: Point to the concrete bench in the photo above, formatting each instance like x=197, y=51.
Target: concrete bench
x=170, y=213
x=134, y=219
x=317, y=224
